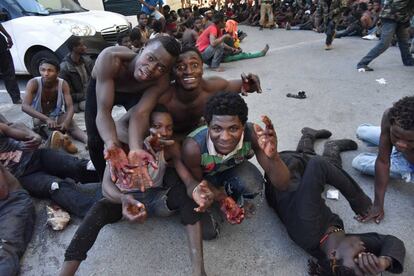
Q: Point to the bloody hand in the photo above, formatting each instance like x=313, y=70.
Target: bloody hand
x=250, y=83
x=203, y=196
x=154, y=142
x=118, y=163
x=138, y=169
x=132, y=209
x=266, y=138
x=234, y=213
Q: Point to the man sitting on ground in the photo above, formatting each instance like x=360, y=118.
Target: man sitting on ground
x=312, y=225
x=166, y=195
x=219, y=153
x=76, y=69
x=395, y=141
x=210, y=43
x=49, y=103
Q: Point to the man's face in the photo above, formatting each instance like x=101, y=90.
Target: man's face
x=198, y=24
x=402, y=139
x=225, y=131
x=126, y=41
x=152, y=63
x=48, y=72
x=348, y=250
x=143, y=20
x=189, y=70
x=162, y=124
x=80, y=48
x=187, y=13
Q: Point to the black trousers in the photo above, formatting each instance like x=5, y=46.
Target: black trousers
x=330, y=32
x=9, y=75
x=105, y=212
x=47, y=166
x=95, y=142
x=303, y=210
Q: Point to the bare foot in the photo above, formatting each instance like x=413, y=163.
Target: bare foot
x=217, y=69
x=265, y=49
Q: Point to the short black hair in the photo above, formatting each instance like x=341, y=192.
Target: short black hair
x=169, y=43
x=402, y=113
x=159, y=108
x=186, y=49
x=217, y=18
x=141, y=13
x=53, y=62
x=226, y=103
x=135, y=34
x=73, y=42
x=120, y=37
x=157, y=26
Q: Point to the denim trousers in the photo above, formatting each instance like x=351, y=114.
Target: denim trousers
x=365, y=162
x=212, y=56
x=389, y=28
x=241, y=182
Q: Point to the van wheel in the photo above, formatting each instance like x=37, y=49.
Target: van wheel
x=37, y=58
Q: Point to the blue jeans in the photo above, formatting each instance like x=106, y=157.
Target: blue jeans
x=365, y=162
x=213, y=55
x=241, y=182
x=389, y=28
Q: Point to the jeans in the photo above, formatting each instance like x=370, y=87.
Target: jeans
x=48, y=166
x=158, y=202
x=365, y=162
x=95, y=142
x=243, y=181
x=9, y=75
x=389, y=28
x=213, y=55
x=17, y=219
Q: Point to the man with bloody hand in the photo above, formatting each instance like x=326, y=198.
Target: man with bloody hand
x=219, y=153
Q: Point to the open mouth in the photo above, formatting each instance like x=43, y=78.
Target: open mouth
x=189, y=79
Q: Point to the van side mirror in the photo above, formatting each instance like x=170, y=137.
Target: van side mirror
x=4, y=15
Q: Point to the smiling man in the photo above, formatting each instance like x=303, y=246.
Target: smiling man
x=219, y=153
x=395, y=158
x=122, y=77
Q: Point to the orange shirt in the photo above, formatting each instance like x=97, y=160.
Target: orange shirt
x=203, y=40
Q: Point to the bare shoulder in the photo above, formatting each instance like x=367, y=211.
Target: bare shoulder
x=167, y=95
x=214, y=84
x=32, y=85
x=110, y=60
x=190, y=147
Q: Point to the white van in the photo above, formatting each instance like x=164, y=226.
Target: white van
x=40, y=29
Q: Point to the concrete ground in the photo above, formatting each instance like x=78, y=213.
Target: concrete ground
x=339, y=99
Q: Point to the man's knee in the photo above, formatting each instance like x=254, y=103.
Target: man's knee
x=365, y=163
x=245, y=180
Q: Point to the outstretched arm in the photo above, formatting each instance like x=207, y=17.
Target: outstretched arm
x=382, y=172
x=246, y=84
x=30, y=139
x=265, y=148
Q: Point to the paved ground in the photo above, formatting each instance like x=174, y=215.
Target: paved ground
x=339, y=98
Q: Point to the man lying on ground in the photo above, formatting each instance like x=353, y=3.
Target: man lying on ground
x=166, y=195
x=395, y=158
x=219, y=153
x=49, y=103
x=312, y=225
x=47, y=173
x=17, y=218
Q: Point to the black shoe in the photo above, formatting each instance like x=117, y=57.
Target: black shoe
x=409, y=62
x=18, y=101
x=342, y=144
x=210, y=227
x=316, y=133
x=364, y=68
x=261, y=28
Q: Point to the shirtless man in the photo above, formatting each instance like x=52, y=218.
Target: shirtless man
x=122, y=77
x=395, y=141
x=185, y=99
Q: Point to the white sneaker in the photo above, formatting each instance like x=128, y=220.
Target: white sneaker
x=370, y=37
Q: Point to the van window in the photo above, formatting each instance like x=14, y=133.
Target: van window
x=125, y=7
x=46, y=7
